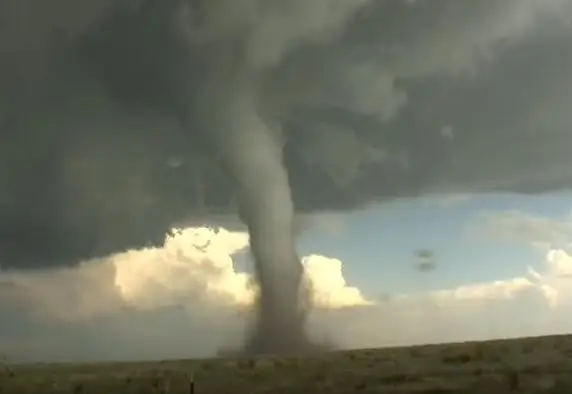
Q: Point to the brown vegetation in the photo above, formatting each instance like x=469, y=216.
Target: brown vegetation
x=529, y=365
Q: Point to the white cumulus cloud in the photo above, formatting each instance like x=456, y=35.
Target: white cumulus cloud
x=194, y=266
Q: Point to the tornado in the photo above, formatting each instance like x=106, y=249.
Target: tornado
x=252, y=153
x=266, y=206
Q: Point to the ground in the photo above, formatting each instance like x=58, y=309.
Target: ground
x=527, y=365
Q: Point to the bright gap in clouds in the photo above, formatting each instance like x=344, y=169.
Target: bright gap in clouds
x=186, y=299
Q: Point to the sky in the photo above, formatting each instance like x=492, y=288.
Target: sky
x=502, y=268
x=389, y=235
x=319, y=105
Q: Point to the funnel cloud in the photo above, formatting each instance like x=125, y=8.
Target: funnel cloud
x=122, y=119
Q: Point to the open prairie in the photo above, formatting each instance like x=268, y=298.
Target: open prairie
x=527, y=365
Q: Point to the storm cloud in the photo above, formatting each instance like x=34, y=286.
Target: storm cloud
x=101, y=150
x=122, y=119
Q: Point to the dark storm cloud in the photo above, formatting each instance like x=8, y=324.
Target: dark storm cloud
x=103, y=107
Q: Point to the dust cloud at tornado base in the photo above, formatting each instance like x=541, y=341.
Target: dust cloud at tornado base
x=266, y=108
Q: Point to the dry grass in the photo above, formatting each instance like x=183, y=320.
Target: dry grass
x=531, y=365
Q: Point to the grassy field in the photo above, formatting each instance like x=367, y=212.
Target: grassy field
x=529, y=365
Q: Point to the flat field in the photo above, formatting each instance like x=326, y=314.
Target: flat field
x=527, y=365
